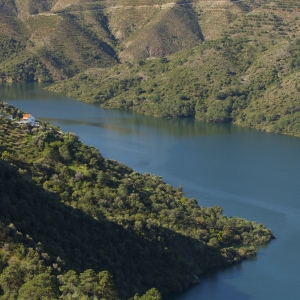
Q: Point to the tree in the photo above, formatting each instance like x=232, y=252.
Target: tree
x=5, y=155
x=69, y=284
x=152, y=294
x=41, y=287
x=88, y=281
x=11, y=280
x=64, y=152
x=105, y=289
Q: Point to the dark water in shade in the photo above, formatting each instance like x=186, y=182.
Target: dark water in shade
x=250, y=174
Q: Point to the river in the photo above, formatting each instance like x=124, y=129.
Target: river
x=251, y=174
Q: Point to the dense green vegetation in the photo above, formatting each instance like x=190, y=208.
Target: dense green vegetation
x=248, y=75
x=74, y=223
x=217, y=61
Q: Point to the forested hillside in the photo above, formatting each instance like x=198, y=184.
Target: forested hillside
x=217, y=61
x=74, y=223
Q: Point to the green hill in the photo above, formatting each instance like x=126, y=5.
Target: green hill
x=217, y=61
x=70, y=212
x=247, y=75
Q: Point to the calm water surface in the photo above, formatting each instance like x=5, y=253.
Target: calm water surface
x=250, y=174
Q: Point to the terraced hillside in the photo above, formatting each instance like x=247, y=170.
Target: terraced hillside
x=59, y=38
x=245, y=74
x=215, y=60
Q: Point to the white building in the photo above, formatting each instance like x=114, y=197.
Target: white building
x=28, y=119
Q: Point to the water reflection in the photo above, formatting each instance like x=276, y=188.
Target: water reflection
x=90, y=114
x=23, y=90
x=184, y=127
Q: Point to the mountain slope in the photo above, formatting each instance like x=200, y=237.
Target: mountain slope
x=241, y=77
x=217, y=61
x=92, y=213
x=65, y=37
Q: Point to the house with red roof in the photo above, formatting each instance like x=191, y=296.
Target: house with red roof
x=28, y=119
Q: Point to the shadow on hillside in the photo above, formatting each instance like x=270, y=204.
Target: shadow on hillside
x=155, y=258
x=194, y=16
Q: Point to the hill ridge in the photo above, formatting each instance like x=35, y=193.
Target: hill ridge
x=178, y=37
x=85, y=212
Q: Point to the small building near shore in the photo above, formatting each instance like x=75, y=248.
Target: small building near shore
x=28, y=118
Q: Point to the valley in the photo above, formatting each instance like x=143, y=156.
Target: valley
x=209, y=55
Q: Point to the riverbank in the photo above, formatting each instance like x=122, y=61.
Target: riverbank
x=244, y=171
x=62, y=165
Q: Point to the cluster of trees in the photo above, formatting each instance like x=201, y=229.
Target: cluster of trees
x=85, y=213
x=26, y=273
x=242, y=75
x=8, y=47
x=222, y=80
x=29, y=68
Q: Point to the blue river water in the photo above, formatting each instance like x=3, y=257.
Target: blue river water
x=250, y=174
